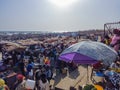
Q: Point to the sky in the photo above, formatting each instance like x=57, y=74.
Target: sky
x=57, y=15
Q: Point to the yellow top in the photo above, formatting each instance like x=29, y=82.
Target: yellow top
x=115, y=69
x=2, y=82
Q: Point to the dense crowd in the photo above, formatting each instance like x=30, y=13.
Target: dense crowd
x=36, y=61
x=40, y=63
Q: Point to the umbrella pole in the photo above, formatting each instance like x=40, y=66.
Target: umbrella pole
x=87, y=75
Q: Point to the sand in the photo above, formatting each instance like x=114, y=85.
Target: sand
x=75, y=79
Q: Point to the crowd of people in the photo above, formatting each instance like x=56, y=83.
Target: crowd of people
x=40, y=62
x=34, y=62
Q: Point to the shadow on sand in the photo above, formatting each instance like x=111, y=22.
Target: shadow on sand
x=73, y=75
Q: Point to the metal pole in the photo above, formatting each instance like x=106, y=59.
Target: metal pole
x=104, y=29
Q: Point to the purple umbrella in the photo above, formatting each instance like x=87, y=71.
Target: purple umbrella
x=77, y=58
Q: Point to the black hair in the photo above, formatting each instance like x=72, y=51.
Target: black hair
x=107, y=37
x=30, y=61
x=43, y=78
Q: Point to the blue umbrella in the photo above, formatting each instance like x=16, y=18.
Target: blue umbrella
x=88, y=52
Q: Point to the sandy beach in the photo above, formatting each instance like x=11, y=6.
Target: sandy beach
x=74, y=79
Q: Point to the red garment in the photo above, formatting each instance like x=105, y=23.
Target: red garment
x=20, y=77
x=97, y=65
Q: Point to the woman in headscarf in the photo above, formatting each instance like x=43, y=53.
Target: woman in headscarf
x=20, y=83
x=116, y=40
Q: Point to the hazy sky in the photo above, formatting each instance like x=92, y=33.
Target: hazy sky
x=57, y=15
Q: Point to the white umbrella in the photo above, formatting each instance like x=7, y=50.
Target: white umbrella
x=89, y=52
